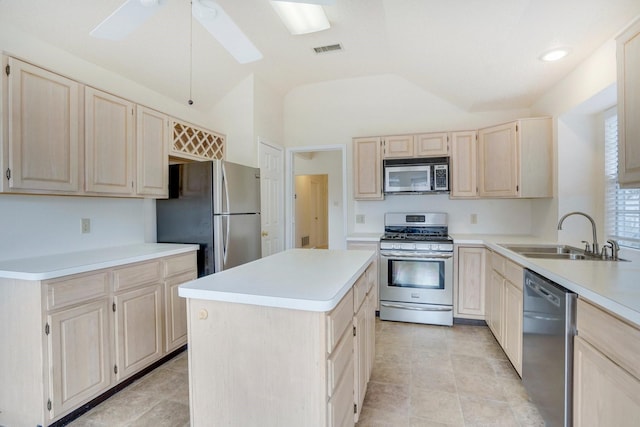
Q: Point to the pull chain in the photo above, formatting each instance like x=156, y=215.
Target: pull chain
x=190, y=102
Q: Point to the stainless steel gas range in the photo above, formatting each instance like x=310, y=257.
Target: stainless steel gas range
x=416, y=268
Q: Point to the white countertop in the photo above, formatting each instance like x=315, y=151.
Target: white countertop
x=364, y=237
x=65, y=264
x=300, y=279
x=614, y=285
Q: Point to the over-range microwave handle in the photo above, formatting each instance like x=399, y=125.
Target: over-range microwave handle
x=414, y=308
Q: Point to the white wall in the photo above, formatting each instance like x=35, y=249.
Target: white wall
x=40, y=225
x=336, y=111
x=575, y=103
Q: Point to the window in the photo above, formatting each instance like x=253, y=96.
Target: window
x=622, y=205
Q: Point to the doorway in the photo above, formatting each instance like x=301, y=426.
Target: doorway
x=316, y=162
x=311, y=209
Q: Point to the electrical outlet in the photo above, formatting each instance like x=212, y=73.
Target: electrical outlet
x=474, y=218
x=85, y=225
x=360, y=219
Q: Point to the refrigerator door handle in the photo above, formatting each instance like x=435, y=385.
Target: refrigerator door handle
x=225, y=238
x=225, y=191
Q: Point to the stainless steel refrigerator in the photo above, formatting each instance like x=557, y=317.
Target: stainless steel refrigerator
x=215, y=204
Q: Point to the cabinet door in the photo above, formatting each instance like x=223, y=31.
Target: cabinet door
x=138, y=329
x=464, y=164
x=79, y=355
x=603, y=393
x=152, y=146
x=398, y=146
x=513, y=312
x=628, y=55
x=370, y=332
x=498, y=161
x=109, y=141
x=431, y=144
x=360, y=358
x=470, y=299
x=175, y=312
x=495, y=298
x=367, y=169
x=44, y=130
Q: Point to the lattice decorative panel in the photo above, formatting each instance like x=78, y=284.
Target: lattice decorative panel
x=196, y=143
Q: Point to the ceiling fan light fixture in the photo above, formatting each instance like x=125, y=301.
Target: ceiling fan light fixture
x=555, y=54
x=301, y=18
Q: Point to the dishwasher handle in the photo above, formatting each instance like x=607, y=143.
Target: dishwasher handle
x=542, y=292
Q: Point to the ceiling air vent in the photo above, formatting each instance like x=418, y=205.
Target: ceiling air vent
x=328, y=48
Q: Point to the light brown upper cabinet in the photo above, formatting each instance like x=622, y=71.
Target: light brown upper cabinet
x=43, y=131
x=431, y=144
x=152, y=148
x=464, y=165
x=628, y=53
x=109, y=143
x=515, y=159
x=367, y=168
x=421, y=145
x=397, y=146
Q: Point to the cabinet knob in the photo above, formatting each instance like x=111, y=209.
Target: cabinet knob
x=203, y=314
x=265, y=233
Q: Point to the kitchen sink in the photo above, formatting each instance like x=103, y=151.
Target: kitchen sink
x=563, y=252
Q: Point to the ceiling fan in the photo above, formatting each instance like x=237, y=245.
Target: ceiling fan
x=133, y=13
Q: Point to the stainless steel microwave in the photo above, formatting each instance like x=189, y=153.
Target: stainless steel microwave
x=409, y=176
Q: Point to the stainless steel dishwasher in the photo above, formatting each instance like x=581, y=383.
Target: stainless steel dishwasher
x=547, y=347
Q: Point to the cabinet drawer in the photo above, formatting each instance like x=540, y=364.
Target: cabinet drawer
x=135, y=275
x=180, y=264
x=77, y=289
x=340, y=407
x=616, y=338
x=339, y=361
x=514, y=273
x=338, y=320
x=497, y=263
x=360, y=289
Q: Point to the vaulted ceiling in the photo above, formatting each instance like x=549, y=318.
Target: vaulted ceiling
x=477, y=54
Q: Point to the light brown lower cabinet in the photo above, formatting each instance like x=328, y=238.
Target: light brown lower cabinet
x=271, y=366
x=606, y=380
x=72, y=338
x=504, y=309
x=469, y=287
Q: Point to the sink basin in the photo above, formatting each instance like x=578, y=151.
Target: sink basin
x=559, y=256
x=554, y=252
x=542, y=249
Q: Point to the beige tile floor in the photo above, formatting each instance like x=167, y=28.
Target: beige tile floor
x=423, y=376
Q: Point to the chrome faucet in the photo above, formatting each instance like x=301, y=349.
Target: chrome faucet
x=594, y=247
x=615, y=248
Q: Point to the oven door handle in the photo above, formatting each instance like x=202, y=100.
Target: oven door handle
x=414, y=256
x=410, y=307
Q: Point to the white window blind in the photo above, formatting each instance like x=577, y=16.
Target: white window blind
x=622, y=205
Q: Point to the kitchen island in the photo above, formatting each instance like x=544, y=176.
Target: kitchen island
x=286, y=340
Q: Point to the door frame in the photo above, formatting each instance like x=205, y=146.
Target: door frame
x=280, y=202
x=289, y=189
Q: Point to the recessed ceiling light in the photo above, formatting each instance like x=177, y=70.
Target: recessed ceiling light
x=301, y=18
x=555, y=54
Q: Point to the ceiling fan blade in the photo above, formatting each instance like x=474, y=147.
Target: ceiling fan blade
x=125, y=19
x=216, y=21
